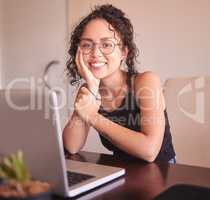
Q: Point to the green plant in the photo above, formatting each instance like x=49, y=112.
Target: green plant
x=18, y=183
x=14, y=168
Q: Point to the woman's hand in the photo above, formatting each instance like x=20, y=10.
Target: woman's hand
x=92, y=82
x=86, y=105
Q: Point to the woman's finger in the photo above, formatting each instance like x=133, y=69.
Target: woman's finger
x=82, y=68
x=85, y=73
x=85, y=69
x=78, y=63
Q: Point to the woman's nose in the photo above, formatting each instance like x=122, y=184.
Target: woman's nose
x=96, y=50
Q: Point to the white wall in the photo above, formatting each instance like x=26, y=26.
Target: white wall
x=35, y=34
x=1, y=41
x=173, y=37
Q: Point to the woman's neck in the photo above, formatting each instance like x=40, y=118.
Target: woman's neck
x=114, y=83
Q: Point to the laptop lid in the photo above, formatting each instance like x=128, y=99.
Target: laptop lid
x=30, y=122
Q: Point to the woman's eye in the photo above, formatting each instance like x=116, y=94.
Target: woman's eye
x=86, y=45
x=107, y=45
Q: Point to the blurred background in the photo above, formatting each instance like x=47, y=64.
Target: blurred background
x=172, y=36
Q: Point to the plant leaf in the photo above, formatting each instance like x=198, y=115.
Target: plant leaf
x=13, y=167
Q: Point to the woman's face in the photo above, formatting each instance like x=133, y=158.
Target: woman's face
x=99, y=39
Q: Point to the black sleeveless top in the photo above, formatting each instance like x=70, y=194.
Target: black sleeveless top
x=128, y=115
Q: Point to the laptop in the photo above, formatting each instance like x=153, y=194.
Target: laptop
x=30, y=121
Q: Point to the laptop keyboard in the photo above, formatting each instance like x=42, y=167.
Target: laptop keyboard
x=74, y=178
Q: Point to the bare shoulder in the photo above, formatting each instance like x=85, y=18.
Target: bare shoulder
x=147, y=78
x=148, y=84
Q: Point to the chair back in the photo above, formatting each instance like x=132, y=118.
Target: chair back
x=188, y=107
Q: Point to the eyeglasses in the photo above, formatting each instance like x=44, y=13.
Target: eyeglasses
x=106, y=46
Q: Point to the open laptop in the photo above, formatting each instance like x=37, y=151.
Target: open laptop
x=30, y=121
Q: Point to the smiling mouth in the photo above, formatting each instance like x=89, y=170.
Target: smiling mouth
x=97, y=65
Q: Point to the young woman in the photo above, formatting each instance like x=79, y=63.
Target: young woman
x=125, y=107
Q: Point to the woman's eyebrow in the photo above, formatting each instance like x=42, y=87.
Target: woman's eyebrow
x=107, y=38
x=86, y=39
x=110, y=38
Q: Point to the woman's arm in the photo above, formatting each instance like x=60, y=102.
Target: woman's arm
x=75, y=132
x=148, y=93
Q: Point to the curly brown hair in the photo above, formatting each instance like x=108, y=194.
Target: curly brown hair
x=121, y=24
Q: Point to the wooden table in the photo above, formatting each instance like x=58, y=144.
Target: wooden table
x=142, y=181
